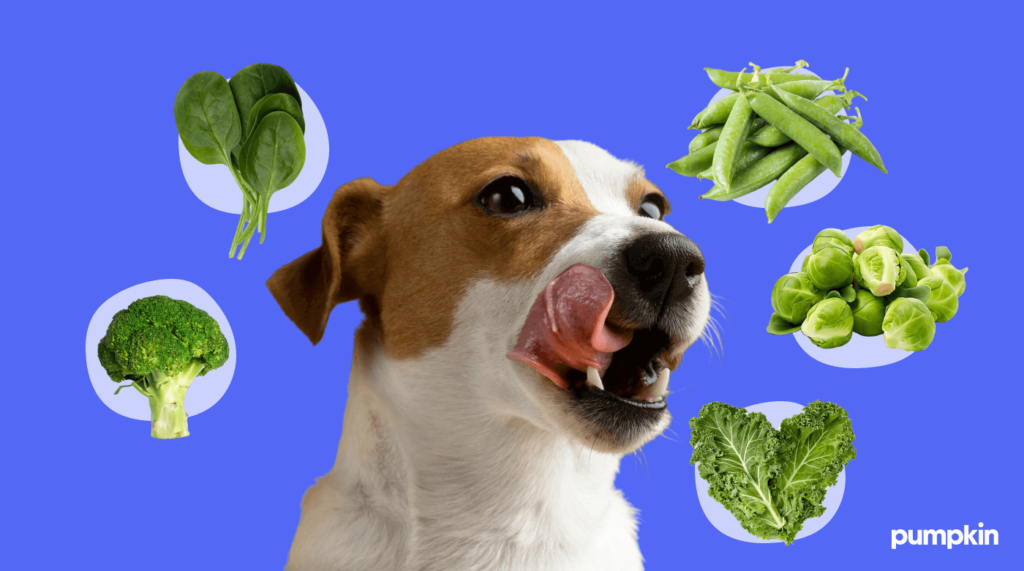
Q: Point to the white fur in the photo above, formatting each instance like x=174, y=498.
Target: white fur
x=603, y=176
x=457, y=459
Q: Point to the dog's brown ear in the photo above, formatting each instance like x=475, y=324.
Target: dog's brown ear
x=349, y=264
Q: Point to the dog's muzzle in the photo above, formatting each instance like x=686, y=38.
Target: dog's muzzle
x=570, y=338
x=654, y=274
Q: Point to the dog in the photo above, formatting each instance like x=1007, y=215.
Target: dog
x=524, y=305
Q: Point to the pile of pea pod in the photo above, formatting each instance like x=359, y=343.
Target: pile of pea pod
x=776, y=128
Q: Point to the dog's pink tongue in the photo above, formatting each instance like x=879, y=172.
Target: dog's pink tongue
x=565, y=328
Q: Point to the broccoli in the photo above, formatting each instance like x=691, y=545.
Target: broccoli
x=161, y=345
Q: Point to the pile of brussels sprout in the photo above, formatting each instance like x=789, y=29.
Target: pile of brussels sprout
x=869, y=287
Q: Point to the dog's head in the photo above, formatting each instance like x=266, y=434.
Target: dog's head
x=537, y=273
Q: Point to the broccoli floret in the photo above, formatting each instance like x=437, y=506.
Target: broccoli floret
x=161, y=345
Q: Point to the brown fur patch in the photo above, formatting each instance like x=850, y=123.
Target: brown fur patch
x=639, y=188
x=348, y=264
x=439, y=239
x=409, y=252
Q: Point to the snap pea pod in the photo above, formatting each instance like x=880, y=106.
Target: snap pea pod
x=729, y=79
x=795, y=179
x=791, y=182
x=840, y=131
x=712, y=134
x=699, y=162
x=749, y=154
x=695, y=162
x=705, y=138
x=808, y=88
x=760, y=173
x=771, y=136
x=797, y=128
x=730, y=143
x=715, y=113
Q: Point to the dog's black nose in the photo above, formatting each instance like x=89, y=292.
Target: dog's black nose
x=665, y=268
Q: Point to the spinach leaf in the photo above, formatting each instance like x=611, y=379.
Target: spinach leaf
x=271, y=159
x=254, y=126
x=207, y=119
x=275, y=102
x=273, y=156
x=256, y=81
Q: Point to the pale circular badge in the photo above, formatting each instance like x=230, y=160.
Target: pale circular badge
x=725, y=522
x=814, y=190
x=860, y=352
x=215, y=186
x=205, y=390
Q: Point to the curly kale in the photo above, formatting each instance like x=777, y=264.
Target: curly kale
x=771, y=480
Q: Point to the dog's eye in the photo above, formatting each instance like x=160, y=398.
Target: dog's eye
x=508, y=195
x=651, y=208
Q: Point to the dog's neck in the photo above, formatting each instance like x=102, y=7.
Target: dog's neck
x=444, y=475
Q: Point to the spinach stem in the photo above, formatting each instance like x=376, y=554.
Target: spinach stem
x=245, y=219
x=263, y=220
x=250, y=228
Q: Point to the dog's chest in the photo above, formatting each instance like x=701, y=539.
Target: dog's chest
x=560, y=512
x=537, y=539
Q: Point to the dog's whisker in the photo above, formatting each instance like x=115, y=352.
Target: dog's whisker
x=642, y=459
x=666, y=437
x=711, y=335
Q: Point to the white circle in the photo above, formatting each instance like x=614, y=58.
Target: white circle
x=815, y=190
x=205, y=390
x=725, y=522
x=860, y=352
x=215, y=186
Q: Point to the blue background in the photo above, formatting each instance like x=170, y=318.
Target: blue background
x=96, y=203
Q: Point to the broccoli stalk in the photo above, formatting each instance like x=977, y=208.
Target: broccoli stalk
x=166, y=394
x=162, y=345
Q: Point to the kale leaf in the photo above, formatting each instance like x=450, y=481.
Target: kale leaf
x=771, y=480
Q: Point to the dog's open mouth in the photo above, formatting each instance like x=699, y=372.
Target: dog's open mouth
x=567, y=339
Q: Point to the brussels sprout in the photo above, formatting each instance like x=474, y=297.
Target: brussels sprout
x=953, y=276
x=868, y=313
x=909, y=273
x=942, y=301
x=878, y=236
x=830, y=267
x=919, y=266
x=901, y=277
x=829, y=323
x=879, y=270
x=945, y=270
x=832, y=236
x=920, y=292
x=908, y=325
x=793, y=295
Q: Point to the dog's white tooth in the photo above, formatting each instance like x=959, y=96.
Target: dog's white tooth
x=593, y=378
x=659, y=388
